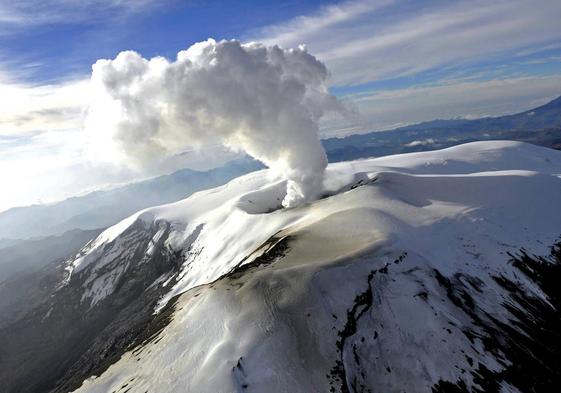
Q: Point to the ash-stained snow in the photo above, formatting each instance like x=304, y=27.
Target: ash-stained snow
x=359, y=296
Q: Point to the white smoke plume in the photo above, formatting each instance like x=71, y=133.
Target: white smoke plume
x=266, y=101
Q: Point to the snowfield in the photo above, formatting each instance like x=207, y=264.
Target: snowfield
x=391, y=282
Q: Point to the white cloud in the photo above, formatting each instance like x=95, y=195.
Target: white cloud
x=263, y=100
x=364, y=41
x=423, y=142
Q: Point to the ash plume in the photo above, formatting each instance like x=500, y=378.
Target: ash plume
x=266, y=101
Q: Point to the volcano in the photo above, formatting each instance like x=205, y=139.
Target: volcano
x=422, y=272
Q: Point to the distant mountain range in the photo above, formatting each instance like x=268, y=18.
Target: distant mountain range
x=543, y=117
x=27, y=268
x=540, y=126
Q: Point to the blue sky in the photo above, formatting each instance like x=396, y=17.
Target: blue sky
x=472, y=58
x=67, y=43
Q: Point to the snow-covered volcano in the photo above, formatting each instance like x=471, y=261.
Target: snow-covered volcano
x=422, y=272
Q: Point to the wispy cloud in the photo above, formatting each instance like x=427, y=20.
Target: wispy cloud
x=539, y=49
x=25, y=13
x=27, y=108
x=364, y=41
x=304, y=28
x=543, y=60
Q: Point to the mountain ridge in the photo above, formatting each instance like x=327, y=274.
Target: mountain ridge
x=543, y=116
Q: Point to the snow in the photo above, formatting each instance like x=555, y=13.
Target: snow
x=93, y=250
x=445, y=183
x=458, y=210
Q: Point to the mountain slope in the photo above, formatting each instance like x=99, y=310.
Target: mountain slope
x=424, y=272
